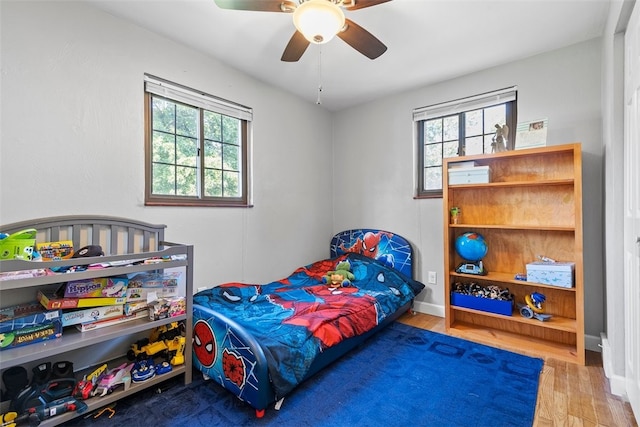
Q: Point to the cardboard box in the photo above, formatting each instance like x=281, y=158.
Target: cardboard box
x=54, y=251
x=32, y=334
x=93, y=314
x=114, y=287
x=559, y=274
x=483, y=304
x=50, y=301
x=99, y=324
x=472, y=175
x=164, y=308
x=161, y=285
x=25, y=315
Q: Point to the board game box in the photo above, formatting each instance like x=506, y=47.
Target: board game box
x=50, y=301
x=25, y=315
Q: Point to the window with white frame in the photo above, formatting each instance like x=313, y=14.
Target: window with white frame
x=196, y=147
x=458, y=128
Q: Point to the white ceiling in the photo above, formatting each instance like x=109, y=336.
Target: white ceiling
x=428, y=40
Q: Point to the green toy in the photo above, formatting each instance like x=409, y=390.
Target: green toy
x=342, y=276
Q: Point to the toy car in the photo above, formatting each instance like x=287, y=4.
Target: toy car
x=163, y=368
x=115, y=377
x=143, y=370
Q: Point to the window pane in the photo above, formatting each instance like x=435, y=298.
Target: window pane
x=451, y=128
x=164, y=149
x=473, y=145
x=230, y=157
x=433, y=155
x=433, y=178
x=473, y=123
x=433, y=131
x=230, y=130
x=231, y=184
x=163, y=115
x=186, y=121
x=494, y=116
x=187, y=151
x=186, y=179
x=212, y=154
x=163, y=179
x=450, y=149
x=488, y=143
x=212, y=125
x=213, y=183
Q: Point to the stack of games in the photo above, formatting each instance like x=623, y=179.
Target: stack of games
x=27, y=324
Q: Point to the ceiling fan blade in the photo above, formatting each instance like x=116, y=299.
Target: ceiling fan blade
x=258, y=5
x=361, y=4
x=362, y=40
x=295, y=48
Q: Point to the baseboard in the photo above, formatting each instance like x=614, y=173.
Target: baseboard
x=617, y=383
x=592, y=343
x=428, y=308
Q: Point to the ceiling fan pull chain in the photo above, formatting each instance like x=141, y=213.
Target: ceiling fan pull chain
x=319, y=101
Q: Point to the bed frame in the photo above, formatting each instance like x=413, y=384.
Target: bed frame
x=256, y=387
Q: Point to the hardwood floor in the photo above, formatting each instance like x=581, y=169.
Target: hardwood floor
x=568, y=395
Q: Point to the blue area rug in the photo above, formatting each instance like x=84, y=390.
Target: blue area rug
x=402, y=376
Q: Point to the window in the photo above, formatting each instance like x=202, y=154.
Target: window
x=196, y=147
x=457, y=128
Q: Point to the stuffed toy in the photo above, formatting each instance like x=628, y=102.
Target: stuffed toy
x=342, y=276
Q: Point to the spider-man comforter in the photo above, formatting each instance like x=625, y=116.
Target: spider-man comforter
x=296, y=318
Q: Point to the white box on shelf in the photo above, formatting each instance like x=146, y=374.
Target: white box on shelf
x=551, y=273
x=473, y=175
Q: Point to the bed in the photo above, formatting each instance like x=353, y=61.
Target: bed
x=260, y=341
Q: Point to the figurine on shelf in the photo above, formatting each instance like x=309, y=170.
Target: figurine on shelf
x=533, y=308
x=499, y=141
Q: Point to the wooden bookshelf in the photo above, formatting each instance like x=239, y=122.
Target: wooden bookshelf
x=531, y=206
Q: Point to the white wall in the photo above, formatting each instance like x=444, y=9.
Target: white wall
x=72, y=140
x=374, y=145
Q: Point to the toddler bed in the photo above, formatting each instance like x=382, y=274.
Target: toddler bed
x=260, y=341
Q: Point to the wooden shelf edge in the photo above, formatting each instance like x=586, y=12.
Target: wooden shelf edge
x=515, y=227
x=508, y=278
x=556, y=322
x=518, y=343
x=545, y=182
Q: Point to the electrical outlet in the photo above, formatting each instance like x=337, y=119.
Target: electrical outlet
x=432, y=277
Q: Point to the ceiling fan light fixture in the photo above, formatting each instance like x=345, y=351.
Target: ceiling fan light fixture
x=318, y=20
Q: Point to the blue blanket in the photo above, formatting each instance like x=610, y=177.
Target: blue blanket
x=296, y=318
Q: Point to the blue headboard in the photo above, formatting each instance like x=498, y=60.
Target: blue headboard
x=390, y=248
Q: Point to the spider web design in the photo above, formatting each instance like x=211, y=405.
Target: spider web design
x=234, y=345
x=395, y=245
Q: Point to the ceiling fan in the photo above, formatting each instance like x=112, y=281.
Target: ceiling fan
x=317, y=21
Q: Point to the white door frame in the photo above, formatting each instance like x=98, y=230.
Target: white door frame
x=632, y=210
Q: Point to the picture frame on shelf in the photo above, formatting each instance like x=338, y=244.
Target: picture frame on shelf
x=531, y=134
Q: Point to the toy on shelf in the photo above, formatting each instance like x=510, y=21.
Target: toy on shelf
x=165, y=341
x=115, y=377
x=472, y=248
x=143, y=370
x=85, y=386
x=533, y=309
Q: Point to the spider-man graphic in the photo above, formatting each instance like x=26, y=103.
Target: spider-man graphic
x=369, y=247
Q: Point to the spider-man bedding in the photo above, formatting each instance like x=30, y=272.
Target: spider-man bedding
x=261, y=341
